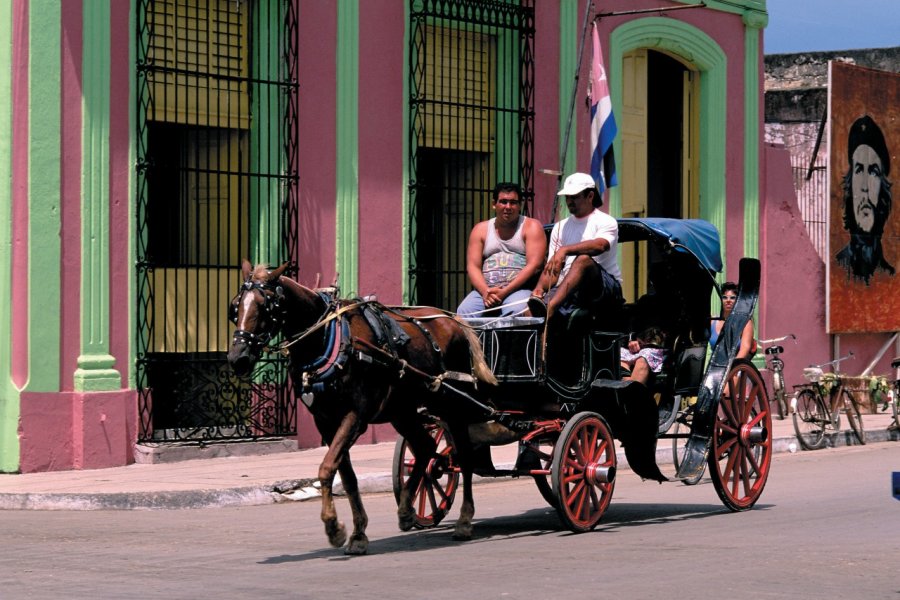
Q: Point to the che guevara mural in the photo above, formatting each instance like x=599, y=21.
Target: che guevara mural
x=863, y=285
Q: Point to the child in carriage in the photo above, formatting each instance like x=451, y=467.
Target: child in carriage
x=643, y=355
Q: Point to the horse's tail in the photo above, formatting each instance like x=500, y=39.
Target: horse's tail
x=479, y=364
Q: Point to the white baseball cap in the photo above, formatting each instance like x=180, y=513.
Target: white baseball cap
x=577, y=183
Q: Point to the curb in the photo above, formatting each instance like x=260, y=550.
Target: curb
x=299, y=490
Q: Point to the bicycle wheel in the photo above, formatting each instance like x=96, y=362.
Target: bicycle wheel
x=678, y=445
x=854, y=416
x=810, y=416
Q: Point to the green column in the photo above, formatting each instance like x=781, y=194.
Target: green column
x=44, y=222
x=9, y=395
x=347, y=160
x=95, y=365
x=754, y=22
x=570, y=24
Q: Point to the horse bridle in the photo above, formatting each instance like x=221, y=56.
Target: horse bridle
x=273, y=314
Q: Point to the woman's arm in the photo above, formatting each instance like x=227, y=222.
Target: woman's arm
x=747, y=341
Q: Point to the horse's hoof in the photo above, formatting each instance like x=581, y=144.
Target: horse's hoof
x=337, y=537
x=406, y=520
x=462, y=533
x=359, y=544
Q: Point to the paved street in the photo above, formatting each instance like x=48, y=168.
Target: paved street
x=825, y=527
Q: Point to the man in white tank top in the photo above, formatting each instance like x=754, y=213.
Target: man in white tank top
x=503, y=258
x=581, y=268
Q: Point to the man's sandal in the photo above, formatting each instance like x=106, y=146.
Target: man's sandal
x=536, y=307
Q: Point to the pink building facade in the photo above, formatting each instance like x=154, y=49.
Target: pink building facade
x=91, y=254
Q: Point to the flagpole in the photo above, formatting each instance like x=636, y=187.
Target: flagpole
x=565, y=146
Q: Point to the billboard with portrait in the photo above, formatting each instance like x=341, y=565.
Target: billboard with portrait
x=863, y=285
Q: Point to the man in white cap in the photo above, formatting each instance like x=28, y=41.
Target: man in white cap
x=581, y=268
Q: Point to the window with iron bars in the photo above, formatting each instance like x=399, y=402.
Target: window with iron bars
x=216, y=181
x=471, y=102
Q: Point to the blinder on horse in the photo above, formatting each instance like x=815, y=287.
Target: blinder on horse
x=272, y=313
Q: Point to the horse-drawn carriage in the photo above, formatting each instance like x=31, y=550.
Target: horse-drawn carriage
x=552, y=388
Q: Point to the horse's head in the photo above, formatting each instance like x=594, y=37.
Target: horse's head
x=257, y=311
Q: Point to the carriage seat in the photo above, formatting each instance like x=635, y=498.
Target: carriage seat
x=511, y=345
x=681, y=376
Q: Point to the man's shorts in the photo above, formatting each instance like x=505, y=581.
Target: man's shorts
x=601, y=294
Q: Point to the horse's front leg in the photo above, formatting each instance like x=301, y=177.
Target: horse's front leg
x=338, y=449
x=359, y=543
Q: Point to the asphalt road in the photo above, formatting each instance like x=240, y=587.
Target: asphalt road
x=825, y=527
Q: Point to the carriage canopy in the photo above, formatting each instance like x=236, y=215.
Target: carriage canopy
x=694, y=236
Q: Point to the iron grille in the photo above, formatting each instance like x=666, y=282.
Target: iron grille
x=217, y=103
x=471, y=103
x=811, y=187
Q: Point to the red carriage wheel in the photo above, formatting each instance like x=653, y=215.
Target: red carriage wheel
x=741, y=449
x=584, y=471
x=543, y=449
x=434, y=496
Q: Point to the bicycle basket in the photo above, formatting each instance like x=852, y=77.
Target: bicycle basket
x=812, y=374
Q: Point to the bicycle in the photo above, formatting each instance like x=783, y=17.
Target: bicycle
x=813, y=415
x=776, y=365
x=893, y=396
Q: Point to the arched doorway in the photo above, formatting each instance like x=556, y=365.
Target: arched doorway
x=668, y=81
x=660, y=140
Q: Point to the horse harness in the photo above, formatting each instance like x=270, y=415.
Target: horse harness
x=271, y=308
x=322, y=374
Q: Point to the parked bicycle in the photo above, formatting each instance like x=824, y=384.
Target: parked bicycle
x=776, y=365
x=816, y=407
x=894, y=396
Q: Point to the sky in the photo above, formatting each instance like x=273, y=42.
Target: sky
x=820, y=25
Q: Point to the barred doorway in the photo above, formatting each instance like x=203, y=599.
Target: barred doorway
x=216, y=182
x=471, y=86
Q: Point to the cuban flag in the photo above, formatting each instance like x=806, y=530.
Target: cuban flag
x=603, y=123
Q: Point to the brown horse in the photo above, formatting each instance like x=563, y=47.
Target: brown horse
x=356, y=362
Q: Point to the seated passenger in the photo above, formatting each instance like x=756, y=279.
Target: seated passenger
x=503, y=258
x=581, y=269
x=729, y=297
x=644, y=355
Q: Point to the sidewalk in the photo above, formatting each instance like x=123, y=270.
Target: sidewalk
x=285, y=476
